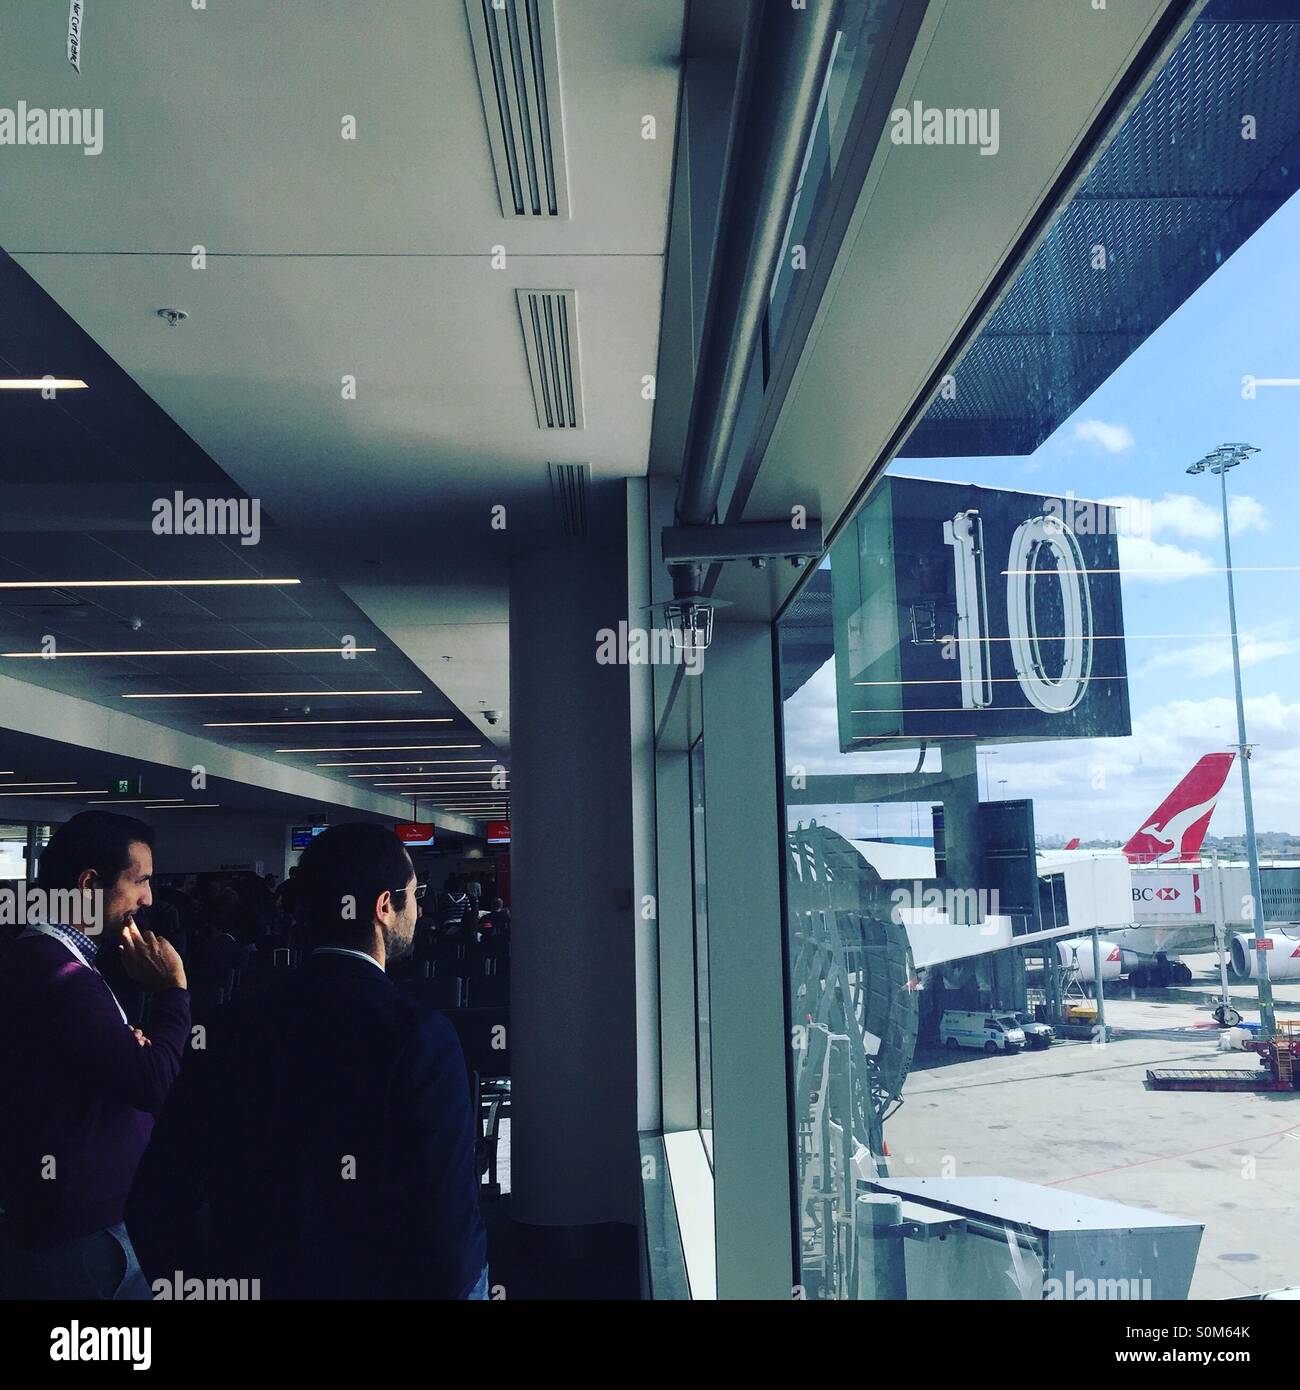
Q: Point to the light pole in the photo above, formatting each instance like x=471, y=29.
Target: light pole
x=1002, y=781
x=986, y=754
x=1228, y=456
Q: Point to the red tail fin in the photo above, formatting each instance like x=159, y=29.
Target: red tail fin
x=1175, y=829
x=1074, y=844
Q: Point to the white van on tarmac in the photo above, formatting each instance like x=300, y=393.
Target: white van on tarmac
x=988, y=1031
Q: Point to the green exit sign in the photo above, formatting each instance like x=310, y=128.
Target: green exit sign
x=125, y=786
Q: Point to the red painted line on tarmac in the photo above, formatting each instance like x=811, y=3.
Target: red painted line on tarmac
x=1163, y=1158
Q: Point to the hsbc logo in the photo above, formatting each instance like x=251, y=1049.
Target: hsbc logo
x=1167, y=894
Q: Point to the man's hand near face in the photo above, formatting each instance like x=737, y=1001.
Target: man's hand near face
x=151, y=961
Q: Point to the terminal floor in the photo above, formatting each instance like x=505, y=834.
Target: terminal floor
x=1079, y=1116
x=520, y=1267
x=523, y=1265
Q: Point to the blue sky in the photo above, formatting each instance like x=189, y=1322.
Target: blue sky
x=1174, y=399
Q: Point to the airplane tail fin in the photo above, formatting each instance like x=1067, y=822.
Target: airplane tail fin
x=1174, y=831
x=1073, y=844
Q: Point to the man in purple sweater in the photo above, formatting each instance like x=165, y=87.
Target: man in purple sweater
x=80, y=1088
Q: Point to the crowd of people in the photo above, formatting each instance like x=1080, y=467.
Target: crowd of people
x=316, y=1135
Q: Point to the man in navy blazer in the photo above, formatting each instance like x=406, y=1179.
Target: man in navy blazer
x=322, y=1142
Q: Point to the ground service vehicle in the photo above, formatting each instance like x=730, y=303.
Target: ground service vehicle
x=992, y=1032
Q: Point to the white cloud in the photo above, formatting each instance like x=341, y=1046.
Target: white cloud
x=1245, y=513
x=1145, y=560
x=1115, y=439
x=1213, y=656
x=1094, y=788
x=1190, y=517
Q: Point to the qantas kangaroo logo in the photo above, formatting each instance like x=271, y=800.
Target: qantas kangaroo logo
x=1175, y=830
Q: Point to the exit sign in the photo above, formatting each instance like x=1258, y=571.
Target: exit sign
x=125, y=786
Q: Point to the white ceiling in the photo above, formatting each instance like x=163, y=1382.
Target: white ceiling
x=369, y=257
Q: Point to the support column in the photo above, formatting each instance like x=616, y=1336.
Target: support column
x=748, y=1016
x=574, y=1153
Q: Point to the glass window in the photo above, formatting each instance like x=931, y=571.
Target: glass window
x=13, y=852
x=1026, y=625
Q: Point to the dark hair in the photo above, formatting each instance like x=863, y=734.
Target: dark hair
x=97, y=840
x=342, y=872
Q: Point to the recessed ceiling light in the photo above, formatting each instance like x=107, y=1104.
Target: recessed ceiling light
x=265, y=694
x=134, y=583
x=299, y=723
x=199, y=651
x=41, y=383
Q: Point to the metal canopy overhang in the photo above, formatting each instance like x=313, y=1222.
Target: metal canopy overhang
x=1165, y=212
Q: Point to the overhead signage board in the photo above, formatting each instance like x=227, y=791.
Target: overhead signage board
x=302, y=835
x=415, y=834
x=971, y=612
x=498, y=832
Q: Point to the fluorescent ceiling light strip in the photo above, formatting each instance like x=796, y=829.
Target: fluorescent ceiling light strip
x=85, y=791
x=197, y=651
x=300, y=723
x=379, y=748
x=266, y=694
x=484, y=776
x=133, y=583
x=482, y=772
x=409, y=762
x=189, y=806
x=19, y=383
x=137, y=800
x=59, y=782
x=455, y=792
x=481, y=785
x=458, y=797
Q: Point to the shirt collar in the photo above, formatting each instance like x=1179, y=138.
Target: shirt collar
x=78, y=940
x=345, y=951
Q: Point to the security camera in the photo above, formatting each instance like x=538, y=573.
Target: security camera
x=493, y=716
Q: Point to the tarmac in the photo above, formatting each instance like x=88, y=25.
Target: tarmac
x=1079, y=1116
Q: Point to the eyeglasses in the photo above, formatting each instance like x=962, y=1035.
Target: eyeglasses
x=419, y=891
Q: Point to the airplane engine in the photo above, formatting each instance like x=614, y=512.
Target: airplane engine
x=1283, y=959
x=1078, y=950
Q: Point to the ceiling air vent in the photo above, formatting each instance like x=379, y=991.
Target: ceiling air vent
x=569, y=495
x=549, y=319
x=518, y=78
